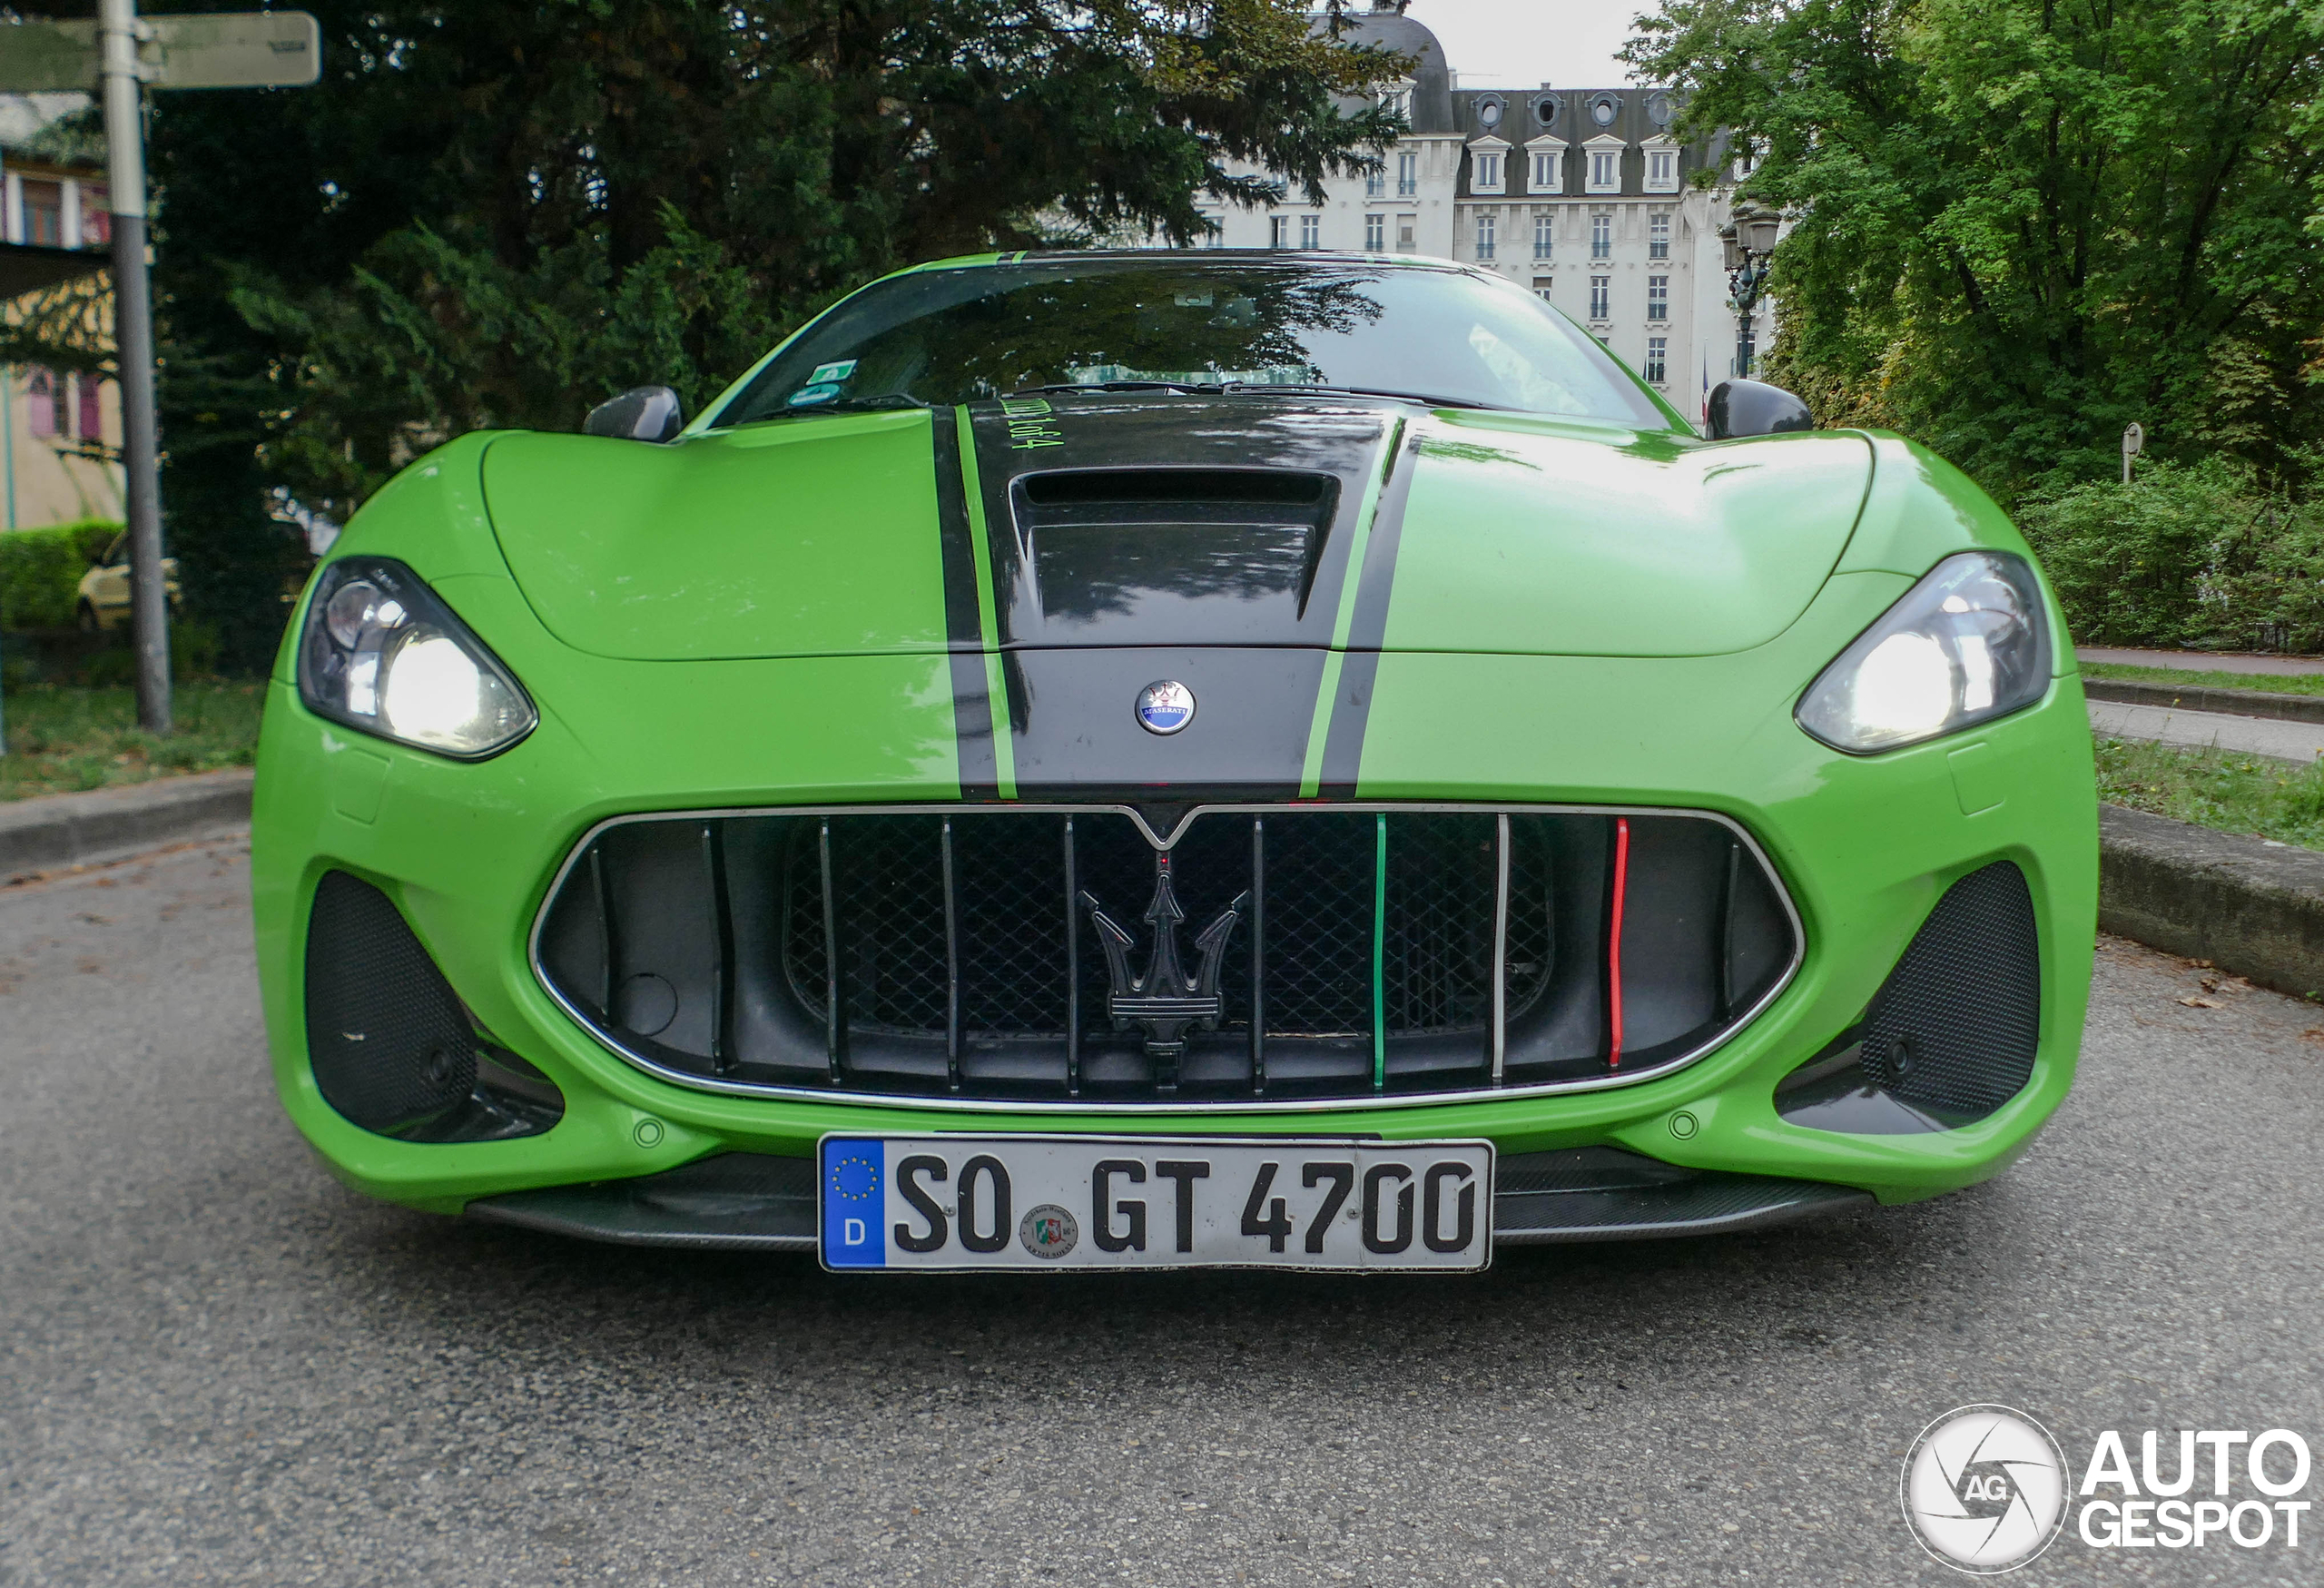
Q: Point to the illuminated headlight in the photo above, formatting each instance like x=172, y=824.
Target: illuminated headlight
x=382, y=653
x=1967, y=643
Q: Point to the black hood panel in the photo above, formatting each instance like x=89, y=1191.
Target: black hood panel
x=1172, y=520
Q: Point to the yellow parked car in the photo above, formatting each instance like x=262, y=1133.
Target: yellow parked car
x=104, y=601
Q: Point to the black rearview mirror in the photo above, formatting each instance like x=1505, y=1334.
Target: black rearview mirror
x=643, y=413
x=1754, y=407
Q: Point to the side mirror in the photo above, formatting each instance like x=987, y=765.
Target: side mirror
x=1752, y=407
x=643, y=413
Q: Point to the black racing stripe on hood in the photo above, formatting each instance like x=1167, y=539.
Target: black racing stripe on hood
x=1168, y=519
x=1351, y=707
x=963, y=627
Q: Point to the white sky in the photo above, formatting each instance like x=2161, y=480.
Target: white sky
x=1522, y=43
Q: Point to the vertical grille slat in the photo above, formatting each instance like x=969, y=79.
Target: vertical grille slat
x=1321, y=952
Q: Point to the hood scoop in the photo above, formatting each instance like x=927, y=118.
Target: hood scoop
x=1168, y=556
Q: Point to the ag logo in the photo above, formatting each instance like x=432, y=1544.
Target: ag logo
x=1984, y=1489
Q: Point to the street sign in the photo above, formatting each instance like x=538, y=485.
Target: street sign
x=223, y=49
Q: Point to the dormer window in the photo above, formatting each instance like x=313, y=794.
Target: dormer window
x=1486, y=176
x=1547, y=174
x=1489, y=113
x=1605, y=171
x=1661, y=168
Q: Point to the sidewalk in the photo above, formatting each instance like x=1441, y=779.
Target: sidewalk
x=55, y=831
x=2300, y=743
x=2202, y=661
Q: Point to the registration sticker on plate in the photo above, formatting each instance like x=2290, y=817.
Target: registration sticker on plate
x=1046, y=1202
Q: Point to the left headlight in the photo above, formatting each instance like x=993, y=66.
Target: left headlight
x=1969, y=643
x=382, y=653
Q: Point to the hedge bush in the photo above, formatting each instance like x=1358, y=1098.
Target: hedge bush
x=2197, y=557
x=40, y=569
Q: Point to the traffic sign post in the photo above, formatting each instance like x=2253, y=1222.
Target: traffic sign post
x=122, y=54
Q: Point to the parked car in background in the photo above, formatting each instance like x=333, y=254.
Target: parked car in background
x=102, y=602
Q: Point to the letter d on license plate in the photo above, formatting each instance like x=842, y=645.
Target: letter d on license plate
x=1046, y=1202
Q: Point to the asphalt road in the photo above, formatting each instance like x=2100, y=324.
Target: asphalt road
x=217, y=1366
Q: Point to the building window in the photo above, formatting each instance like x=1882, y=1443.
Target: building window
x=1605, y=170
x=1658, y=297
x=1543, y=228
x=1657, y=234
x=1407, y=175
x=1487, y=223
x=1547, y=177
x=1658, y=359
x=45, y=214
x=41, y=407
x=1601, y=237
x=1542, y=293
x=1310, y=231
x=1375, y=234
x=92, y=413
x=1278, y=232
x=1662, y=171
x=1487, y=176
x=1375, y=183
x=1407, y=233
x=1395, y=102
x=1599, y=290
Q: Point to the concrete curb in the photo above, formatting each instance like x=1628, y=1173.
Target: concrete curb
x=56, y=831
x=2268, y=703
x=2245, y=906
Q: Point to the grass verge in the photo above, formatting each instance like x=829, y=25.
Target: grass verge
x=2215, y=788
x=61, y=738
x=2181, y=678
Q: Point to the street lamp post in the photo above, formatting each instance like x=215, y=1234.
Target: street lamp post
x=1750, y=240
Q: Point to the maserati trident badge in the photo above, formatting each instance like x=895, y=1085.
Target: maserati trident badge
x=1165, y=1003
x=1165, y=705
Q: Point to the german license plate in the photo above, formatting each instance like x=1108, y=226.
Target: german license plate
x=936, y=1203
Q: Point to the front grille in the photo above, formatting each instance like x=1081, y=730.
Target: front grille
x=1294, y=953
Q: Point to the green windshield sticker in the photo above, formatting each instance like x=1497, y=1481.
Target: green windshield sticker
x=830, y=373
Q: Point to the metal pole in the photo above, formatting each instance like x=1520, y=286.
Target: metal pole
x=134, y=336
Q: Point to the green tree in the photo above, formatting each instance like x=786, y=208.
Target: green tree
x=499, y=212
x=2023, y=223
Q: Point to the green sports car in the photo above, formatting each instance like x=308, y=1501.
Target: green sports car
x=1149, y=760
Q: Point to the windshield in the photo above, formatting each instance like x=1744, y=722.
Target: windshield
x=967, y=335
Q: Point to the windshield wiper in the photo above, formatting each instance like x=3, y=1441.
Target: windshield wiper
x=1195, y=386
x=885, y=402
x=1418, y=396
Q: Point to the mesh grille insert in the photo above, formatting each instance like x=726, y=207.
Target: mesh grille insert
x=968, y=961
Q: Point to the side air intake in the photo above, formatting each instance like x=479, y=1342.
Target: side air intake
x=392, y=1047
x=1951, y=1035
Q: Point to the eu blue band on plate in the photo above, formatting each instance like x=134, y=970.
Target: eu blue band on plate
x=855, y=1196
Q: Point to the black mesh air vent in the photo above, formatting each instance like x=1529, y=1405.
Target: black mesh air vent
x=1954, y=1029
x=392, y=1047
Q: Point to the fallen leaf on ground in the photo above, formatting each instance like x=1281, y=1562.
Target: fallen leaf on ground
x=2193, y=1001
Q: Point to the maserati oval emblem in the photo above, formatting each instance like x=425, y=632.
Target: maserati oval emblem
x=1165, y=705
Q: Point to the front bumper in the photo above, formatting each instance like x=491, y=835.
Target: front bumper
x=1864, y=849
x=739, y=1202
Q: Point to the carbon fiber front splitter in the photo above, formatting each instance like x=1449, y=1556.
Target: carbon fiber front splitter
x=739, y=1202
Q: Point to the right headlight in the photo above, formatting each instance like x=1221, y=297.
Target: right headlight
x=382, y=653
x=1969, y=643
